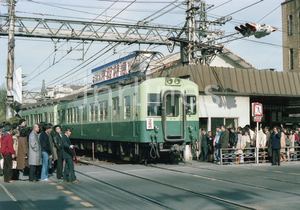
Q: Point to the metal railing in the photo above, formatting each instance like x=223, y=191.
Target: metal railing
x=251, y=155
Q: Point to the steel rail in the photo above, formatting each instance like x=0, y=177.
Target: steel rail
x=224, y=180
x=144, y=198
x=175, y=187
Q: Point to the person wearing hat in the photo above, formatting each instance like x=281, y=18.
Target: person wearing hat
x=69, y=174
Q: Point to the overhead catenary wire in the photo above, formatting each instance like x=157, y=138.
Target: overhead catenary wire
x=99, y=29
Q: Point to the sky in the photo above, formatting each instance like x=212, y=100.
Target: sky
x=36, y=55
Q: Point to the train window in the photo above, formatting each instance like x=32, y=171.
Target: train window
x=84, y=112
x=154, y=104
x=191, y=105
x=172, y=105
x=63, y=116
x=70, y=115
x=116, y=108
x=127, y=107
x=51, y=114
x=46, y=117
x=94, y=112
x=76, y=114
x=40, y=118
x=58, y=117
x=103, y=110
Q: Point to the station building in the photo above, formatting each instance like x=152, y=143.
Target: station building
x=226, y=93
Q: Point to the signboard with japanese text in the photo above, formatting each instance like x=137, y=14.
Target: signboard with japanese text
x=257, y=110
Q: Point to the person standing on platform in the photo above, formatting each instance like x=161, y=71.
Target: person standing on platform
x=68, y=154
x=46, y=152
x=204, y=145
x=58, y=145
x=268, y=143
x=34, y=154
x=53, y=149
x=216, y=143
x=15, y=134
x=275, y=141
x=233, y=138
x=23, y=151
x=22, y=124
x=224, y=141
x=7, y=150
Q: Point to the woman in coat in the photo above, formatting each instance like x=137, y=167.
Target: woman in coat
x=15, y=135
x=283, y=145
x=23, y=149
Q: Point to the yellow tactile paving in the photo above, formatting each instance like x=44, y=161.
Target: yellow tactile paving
x=262, y=169
x=278, y=171
x=53, y=183
x=59, y=187
x=86, y=204
x=76, y=198
x=294, y=173
x=68, y=192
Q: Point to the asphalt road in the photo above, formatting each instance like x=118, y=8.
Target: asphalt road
x=191, y=185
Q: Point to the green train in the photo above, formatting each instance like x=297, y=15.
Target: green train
x=143, y=119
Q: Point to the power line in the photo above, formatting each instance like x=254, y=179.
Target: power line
x=269, y=13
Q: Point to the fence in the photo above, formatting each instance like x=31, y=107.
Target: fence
x=251, y=155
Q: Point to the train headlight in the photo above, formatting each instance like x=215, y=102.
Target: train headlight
x=191, y=128
x=169, y=81
x=177, y=81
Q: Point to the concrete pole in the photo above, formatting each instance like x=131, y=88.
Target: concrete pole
x=10, y=62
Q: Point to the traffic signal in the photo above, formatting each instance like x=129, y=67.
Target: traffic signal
x=255, y=29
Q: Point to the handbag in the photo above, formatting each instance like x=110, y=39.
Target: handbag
x=288, y=142
x=14, y=164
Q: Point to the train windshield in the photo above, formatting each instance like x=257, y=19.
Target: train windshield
x=191, y=105
x=154, y=104
x=172, y=105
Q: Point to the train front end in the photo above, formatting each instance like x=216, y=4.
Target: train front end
x=171, y=115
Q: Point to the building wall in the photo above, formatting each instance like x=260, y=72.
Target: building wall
x=227, y=107
x=291, y=35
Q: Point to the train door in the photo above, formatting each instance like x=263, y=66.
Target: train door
x=173, y=116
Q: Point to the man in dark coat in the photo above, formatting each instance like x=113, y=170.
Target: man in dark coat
x=57, y=143
x=8, y=153
x=204, y=145
x=275, y=141
x=233, y=138
x=268, y=143
x=224, y=141
x=69, y=174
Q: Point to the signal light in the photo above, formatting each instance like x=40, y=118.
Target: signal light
x=255, y=29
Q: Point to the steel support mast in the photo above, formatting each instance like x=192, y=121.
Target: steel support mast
x=10, y=62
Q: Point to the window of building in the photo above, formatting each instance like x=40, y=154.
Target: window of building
x=127, y=113
x=291, y=58
x=84, y=112
x=153, y=104
x=116, y=108
x=290, y=25
x=191, y=105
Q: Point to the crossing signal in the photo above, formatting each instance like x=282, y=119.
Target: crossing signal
x=255, y=29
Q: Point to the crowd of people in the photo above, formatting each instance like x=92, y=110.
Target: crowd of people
x=238, y=145
x=37, y=152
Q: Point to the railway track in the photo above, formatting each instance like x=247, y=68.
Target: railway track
x=231, y=204
x=143, y=198
x=230, y=181
x=230, y=172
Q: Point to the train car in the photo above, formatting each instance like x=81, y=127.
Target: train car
x=147, y=119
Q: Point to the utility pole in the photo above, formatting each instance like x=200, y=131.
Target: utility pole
x=191, y=35
x=10, y=62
